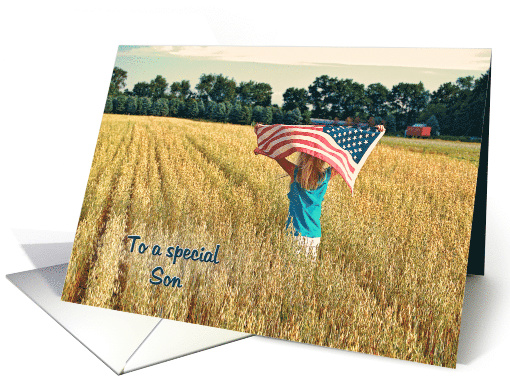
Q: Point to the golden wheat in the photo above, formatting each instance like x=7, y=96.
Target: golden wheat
x=392, y=262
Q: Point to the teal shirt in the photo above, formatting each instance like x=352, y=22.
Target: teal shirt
x=305, y=207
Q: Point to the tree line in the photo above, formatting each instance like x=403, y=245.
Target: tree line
x=453, y=109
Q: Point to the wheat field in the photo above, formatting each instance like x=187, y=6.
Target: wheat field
x=392, y=261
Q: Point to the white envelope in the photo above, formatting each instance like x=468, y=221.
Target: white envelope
x=123, y=341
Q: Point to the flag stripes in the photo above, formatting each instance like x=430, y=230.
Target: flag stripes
x=344, y=148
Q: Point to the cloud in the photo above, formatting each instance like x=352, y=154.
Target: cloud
x=432, y=58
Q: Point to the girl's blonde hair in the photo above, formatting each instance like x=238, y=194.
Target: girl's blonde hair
x=311, y=171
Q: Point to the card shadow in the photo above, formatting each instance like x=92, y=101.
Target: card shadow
x=478, y=309
x=42, y=254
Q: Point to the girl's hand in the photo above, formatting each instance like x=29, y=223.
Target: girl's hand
x=381, y=128
x=257, y=151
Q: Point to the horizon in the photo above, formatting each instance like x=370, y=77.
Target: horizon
x=285, y=67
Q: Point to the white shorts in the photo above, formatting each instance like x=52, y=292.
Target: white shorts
x=310, y=244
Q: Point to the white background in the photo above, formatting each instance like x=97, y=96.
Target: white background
x=56, y=62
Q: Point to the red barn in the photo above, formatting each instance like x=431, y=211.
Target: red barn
x=418, y=130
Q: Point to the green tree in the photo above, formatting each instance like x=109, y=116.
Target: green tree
x=142, y=89
x=331, y=97
x=221, y=113
x=158, y=87
x=258, y=114
x=293, y=117
x=228, y=107
x=201, y=109
x=479, y=103
x=119, y=104
x=108, y=108
x=216, y=87
x=459, y=107
x=181, y=108
x=247, y=115
x=447, y=94
x=224, y=89
x=263, y=94
x=181, y=90
x=434, y=124
x=160, y=107
x=144, y=106
x=245, y=93
x=131, y=105
x=468, y=111
x=439, y=111
x=118, y=81
x=254, y=93
x=321, y=93
x=377, y=99
x=236, y=113
x=465, y=83
x=268, y=115
x=173, y=107
x=348, y=99
x=295, y=98
x=389, y=122
x=407, y=101
x=307, y=114
x=192, y=108
x=211, y=110
x=277, y=114
x=204, y=86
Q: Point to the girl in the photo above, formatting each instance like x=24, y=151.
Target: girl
x=309, y=180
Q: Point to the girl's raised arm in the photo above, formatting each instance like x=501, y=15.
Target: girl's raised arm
x=287, y=166
x=284, y=163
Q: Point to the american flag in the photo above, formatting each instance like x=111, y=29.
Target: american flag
x=345, y=148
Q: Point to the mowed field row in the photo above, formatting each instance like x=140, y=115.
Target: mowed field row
x=392, y=261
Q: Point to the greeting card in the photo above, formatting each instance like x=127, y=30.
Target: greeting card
x=318, y=195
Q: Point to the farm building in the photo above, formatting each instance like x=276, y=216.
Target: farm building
x=418, y=130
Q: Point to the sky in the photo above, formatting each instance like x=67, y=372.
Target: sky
x=285, y=67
